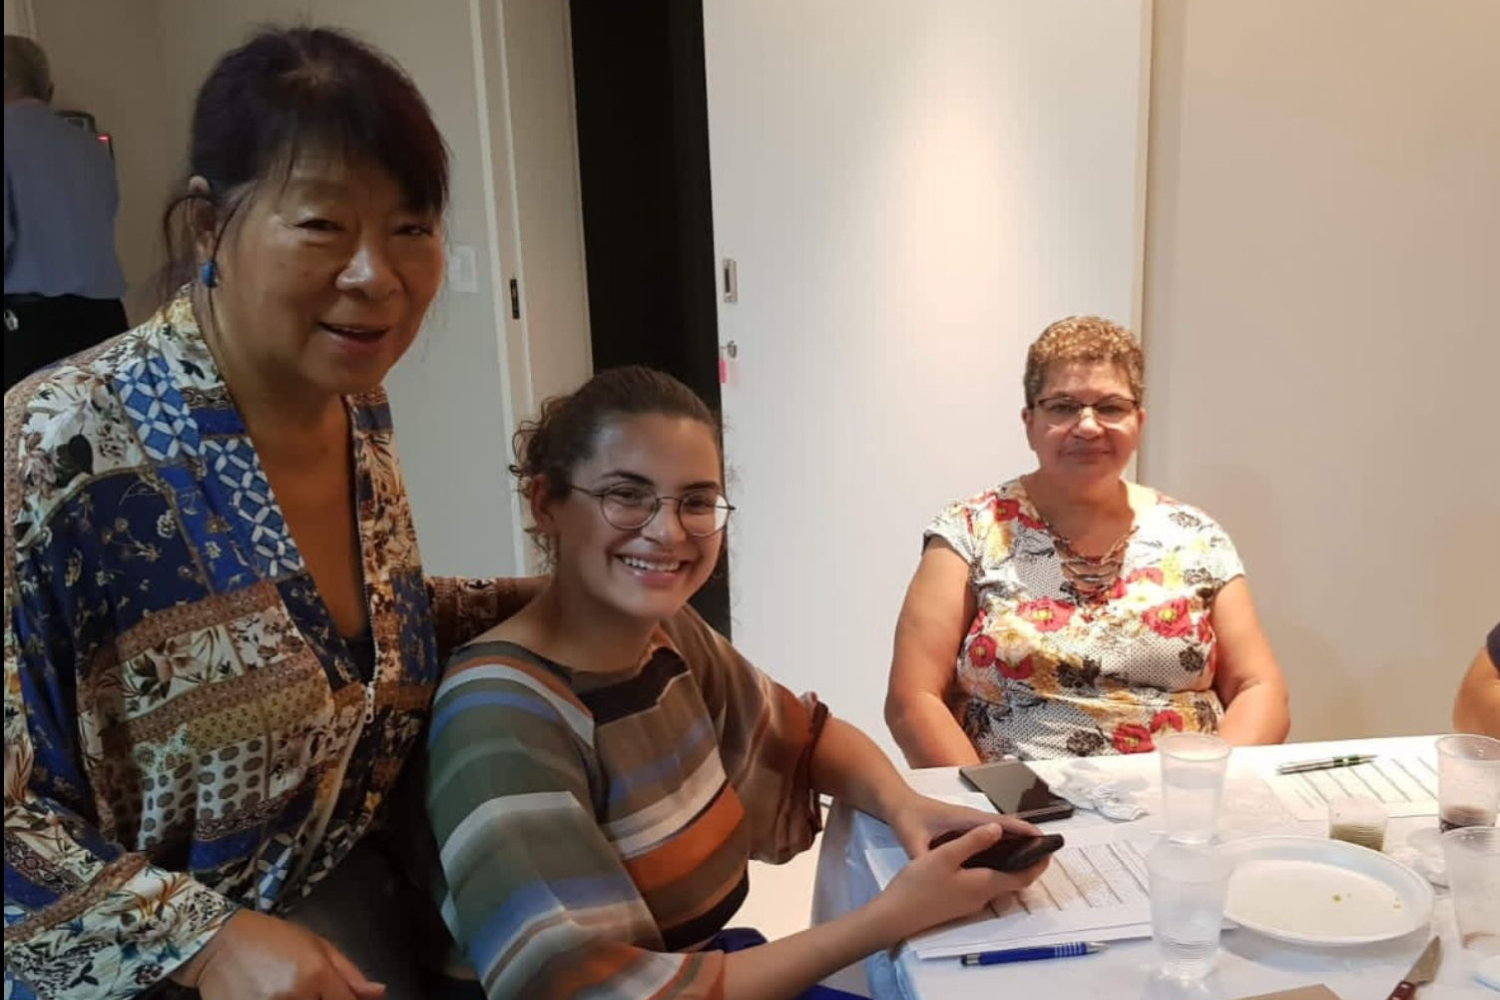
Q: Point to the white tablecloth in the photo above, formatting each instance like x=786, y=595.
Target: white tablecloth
x=1248, y=963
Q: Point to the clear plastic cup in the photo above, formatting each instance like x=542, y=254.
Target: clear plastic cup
x=1187, y=883
x=1193, y=766
x=1468, y=781
x=1357, y=819
x=1472, y=857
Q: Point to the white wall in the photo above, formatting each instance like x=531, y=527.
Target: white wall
x=473, y=372
x=1323, y=353
x=911, y=193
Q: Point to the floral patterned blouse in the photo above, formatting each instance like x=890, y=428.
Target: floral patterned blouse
x=185, y=731
x=1044, y=674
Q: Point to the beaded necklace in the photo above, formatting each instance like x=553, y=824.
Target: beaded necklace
x=1092, y=577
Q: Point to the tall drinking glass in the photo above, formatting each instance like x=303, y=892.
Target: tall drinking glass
x=1188, y=883
x=1468, y=781
x=1192, y=784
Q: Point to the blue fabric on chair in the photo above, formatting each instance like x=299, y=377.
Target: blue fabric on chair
x=727, y=940
x=740, y=938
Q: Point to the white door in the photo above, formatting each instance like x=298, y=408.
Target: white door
x=552, y=286
x=910, y=191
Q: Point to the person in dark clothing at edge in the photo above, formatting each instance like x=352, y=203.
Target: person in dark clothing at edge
x=62, y=279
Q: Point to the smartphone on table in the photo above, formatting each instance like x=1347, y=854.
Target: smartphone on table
x=1016, y=790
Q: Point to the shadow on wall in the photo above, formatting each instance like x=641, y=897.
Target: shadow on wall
x=1361, y=684
x=1453, y=545
x=1456, y=546
x=1327, y=700
x=1435, y=553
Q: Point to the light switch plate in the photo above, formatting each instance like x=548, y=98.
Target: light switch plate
x=463, y=273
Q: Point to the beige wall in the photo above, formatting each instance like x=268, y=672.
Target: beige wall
x=1323, y=354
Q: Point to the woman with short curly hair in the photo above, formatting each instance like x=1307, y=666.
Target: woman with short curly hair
x=1068, y=612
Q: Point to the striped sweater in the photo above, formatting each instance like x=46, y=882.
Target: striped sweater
x=594, y=829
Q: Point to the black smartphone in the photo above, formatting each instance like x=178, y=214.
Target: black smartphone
x=1017, y=790
x=1010, y=853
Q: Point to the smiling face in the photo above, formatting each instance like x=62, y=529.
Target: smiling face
x=323, y=280
x=1088, y=447
x=647, y=574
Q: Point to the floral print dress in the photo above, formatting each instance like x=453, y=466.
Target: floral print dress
x=185, y=731
x=1042, y=673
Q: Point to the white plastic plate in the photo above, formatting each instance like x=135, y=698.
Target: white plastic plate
x=1313, y=890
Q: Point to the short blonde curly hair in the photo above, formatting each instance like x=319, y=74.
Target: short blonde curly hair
x=1087, y=339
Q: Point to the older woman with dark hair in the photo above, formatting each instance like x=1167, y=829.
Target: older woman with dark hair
x=1067, y=612
x=220, y=647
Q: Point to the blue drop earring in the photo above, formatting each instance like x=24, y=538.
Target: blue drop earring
x=208, y=273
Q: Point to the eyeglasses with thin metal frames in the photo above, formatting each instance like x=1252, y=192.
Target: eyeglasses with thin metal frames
x=701, y=513
x=1112, y=411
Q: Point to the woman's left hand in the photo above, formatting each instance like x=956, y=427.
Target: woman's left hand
x=918, y=819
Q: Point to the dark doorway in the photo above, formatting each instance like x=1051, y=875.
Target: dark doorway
x=642, y=112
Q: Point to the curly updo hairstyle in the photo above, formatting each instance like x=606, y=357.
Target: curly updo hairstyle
x=565, y=432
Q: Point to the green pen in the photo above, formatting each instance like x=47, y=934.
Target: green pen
x=1324, y=764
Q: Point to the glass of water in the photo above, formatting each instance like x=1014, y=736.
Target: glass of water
x=1187, y=886
x=1473, y=857
x=1468, y=781
x=1193, y=766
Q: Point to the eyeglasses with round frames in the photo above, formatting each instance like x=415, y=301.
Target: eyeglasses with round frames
x=702, y=513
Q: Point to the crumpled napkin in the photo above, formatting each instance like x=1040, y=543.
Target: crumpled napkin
x=1087, y=788
x=1428, y=866
x=1423, y=853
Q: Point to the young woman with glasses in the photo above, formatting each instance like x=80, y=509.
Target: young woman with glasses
x=1068, y=612
x=603, y=765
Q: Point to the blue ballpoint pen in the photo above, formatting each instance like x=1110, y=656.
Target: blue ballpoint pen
x=1032, y=954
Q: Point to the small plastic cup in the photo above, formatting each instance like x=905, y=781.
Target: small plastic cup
x=1357, y=819
x=1468, y=781
x=1188, y=883
x=1193, y=766
x=1472, y=856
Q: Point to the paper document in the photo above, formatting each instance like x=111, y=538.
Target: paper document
x=1406, y=784
x=1094, y=888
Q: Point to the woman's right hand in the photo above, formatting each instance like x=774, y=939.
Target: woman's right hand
x=255, y=957
x=935, y=887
